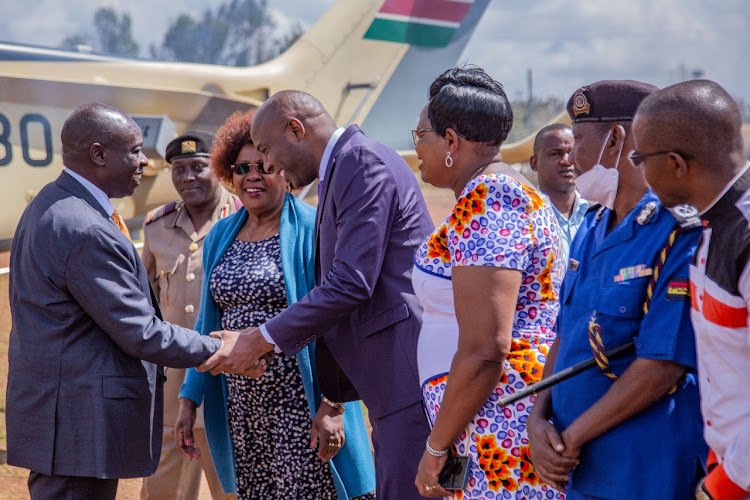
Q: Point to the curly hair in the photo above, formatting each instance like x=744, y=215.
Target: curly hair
x=229, y=140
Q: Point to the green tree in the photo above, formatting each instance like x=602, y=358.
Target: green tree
x=238, y=33
x=113, y=35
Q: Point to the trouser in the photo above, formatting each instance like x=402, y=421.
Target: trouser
x=178, y=478
x=399, y=441
x=44, y=487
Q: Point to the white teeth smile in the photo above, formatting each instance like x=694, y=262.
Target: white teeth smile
x=253, y=190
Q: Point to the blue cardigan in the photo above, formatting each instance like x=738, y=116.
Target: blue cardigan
x=352, y=467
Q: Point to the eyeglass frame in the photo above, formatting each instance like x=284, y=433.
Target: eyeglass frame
x=415, y=137
x=259, y=167
x=637, y=159
x=415, y=134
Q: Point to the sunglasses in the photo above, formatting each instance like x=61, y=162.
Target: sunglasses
x=244, y=168
x=637, y=158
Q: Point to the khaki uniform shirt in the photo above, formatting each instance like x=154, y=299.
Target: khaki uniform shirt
x=173, y=257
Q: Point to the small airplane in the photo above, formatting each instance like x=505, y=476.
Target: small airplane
x=369, y=62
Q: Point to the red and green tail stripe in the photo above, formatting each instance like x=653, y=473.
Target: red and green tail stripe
x=429, y=23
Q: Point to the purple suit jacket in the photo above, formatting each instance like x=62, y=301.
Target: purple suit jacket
x=371, y=219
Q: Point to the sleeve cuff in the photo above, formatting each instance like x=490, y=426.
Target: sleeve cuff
x=721, y=487
x=192, y=387
x=267, y=337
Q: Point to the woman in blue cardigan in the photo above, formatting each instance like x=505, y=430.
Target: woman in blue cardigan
x=262, y=432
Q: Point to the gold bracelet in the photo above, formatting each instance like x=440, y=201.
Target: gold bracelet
x=336, y=406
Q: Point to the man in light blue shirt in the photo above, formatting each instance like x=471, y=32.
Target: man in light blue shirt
x=556, y=177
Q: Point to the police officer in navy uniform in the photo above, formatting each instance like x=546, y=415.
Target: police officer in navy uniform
x=172, y=254
x=630, y=428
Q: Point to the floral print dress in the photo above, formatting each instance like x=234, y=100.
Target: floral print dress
x=496, y=222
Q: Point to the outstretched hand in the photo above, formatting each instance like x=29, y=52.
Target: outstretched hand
x=240, y=352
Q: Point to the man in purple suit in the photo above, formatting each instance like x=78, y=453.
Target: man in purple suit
x=363, y=314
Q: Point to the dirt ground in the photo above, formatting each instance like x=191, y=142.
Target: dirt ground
x=13, y=479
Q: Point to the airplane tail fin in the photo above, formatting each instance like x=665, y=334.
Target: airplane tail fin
x=371, y=62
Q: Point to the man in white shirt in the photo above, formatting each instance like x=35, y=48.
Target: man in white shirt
x=556, y=177
x=688, y=140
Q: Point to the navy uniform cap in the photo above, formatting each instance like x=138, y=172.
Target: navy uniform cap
x=608, y=101
x=191, y=143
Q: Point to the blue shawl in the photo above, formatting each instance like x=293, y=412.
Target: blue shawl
x=352, y=468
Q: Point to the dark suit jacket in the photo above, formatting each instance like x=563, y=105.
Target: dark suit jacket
x=84, y=393
x=371, y=219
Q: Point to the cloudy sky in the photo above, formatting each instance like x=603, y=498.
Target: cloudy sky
x=566, y=43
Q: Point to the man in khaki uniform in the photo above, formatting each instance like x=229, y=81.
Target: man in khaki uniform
x=172, y=254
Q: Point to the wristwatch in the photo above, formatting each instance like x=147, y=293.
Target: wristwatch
x=336, y=406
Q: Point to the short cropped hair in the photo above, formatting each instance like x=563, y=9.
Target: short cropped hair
x=472, y=103
x=229, y=140
x=544, y=130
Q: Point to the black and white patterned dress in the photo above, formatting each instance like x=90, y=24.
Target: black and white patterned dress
x=268, y=417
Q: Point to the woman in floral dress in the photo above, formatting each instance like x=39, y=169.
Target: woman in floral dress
x=488, y=278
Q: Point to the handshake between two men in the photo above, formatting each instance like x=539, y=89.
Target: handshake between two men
x=245, y=353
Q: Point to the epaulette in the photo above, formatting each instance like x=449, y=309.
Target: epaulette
x=686, y=216
x=161, y=211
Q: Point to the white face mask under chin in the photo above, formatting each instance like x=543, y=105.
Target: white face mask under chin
x=599, y=185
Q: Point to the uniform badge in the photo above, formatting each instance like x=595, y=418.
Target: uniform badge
x=580, y=102
x=629, y=273
x=187, y=147
x=686, y=216
x=647, y=213
x=678, y=289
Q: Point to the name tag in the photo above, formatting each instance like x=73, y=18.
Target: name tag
x=573, y=265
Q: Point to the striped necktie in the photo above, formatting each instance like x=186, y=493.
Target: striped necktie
x=120, y=223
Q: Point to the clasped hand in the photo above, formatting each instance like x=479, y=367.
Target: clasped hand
x=245, y=353
x=553, y=455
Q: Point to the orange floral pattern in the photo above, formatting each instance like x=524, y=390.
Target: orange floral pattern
x=498, y=222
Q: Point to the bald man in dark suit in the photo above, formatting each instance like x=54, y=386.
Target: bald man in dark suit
x=84, y=399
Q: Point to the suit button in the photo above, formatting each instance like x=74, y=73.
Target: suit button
x=190, y=309
x=164, y=379
x=162, y=273
x=193, y=247
x=190, y=277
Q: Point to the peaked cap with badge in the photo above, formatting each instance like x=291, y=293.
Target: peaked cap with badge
x=608, y=101
x=191, y=143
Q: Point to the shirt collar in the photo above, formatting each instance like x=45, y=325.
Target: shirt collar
x=327, y=152
x=97, y=193
x=580, y=205
x=726, y=188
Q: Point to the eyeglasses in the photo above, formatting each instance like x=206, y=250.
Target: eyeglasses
x=416, y=134
x=244, y=168
x=637, y=158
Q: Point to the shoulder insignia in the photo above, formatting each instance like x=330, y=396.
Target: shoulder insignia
x=160, y=212
x=647, y=213
x=687, y=216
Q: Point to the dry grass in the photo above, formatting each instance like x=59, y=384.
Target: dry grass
x=13, y=479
